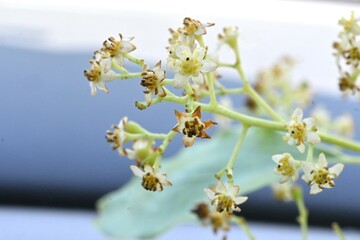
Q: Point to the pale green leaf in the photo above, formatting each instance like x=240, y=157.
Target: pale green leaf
x=133, y=213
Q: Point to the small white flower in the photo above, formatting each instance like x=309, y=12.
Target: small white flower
x=151, y=180
x=286, y=167
x=100, y=71
x=301, y=130
x=229, y=36
x=118, y=136
x=351, y=25
x=116, y=48
x=151, y=79
x=225, y=198
x=319, y=176
x=189, y=64
x=195, y=27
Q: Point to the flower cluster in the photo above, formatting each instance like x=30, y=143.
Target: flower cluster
x=275, y=85
x=186, y=58
x=101, y=71
x=347, y=53
x=317, y=175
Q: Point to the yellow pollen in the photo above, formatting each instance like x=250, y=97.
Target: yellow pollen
x=151, y=182
x=284, y=167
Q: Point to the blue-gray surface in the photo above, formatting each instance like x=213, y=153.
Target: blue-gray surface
x=52, y=147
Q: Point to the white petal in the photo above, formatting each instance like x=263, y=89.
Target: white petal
x=315, y=189
x=161, y=91
x=208, y=66
x=149, y=169
x=137, y=171
x=199, y=53
x=277, y=157
x=148, y=98
x=322, y=163
x=105, y=64
x=295, y=177
x=127, y=47
x=108, y=76
x=93, y=88
x=297, y=115
x=303, y=177
x=209, y=193
x=312, y=138
x=173, y=64
x=240, y=200
x=307, y=168
x=183, y=52
x=119, y=60
x=336, y=169
x=180, y=80
x=284, y=179
x=200, y=31
x=130, y=153
x=100, y=85
x=301, y=147
x=233, y=191
x=220, y=187
x=199, y=79
x=160, y=74
x=310, y=122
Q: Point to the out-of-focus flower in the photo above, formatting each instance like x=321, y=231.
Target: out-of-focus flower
x=319, y=176
x=225, y=198
x=286, y=167
x=189, y=64
x=301, y=130
x=151, y=179
x=100, y=71
x=345, y=125
x=118, y=137
x=192, y=126
x=195, y=27
x=350, y=25
x=282, y=191
x=229, y=36
x=218, y=221
x=117, y=48
x=151, y=79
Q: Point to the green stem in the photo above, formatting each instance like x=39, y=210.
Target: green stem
x=245, y=227
x=212, y=93
x=166, y=141
x=339, y=141
x=250, y=91
x=310, y=155
x=117, y=67
x=258, y=122
x=126, y=76
x=338, y=231
x=229, y=166
x=303, y=212
x=134, y=59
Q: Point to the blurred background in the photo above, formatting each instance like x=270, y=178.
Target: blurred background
x=54, y=160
